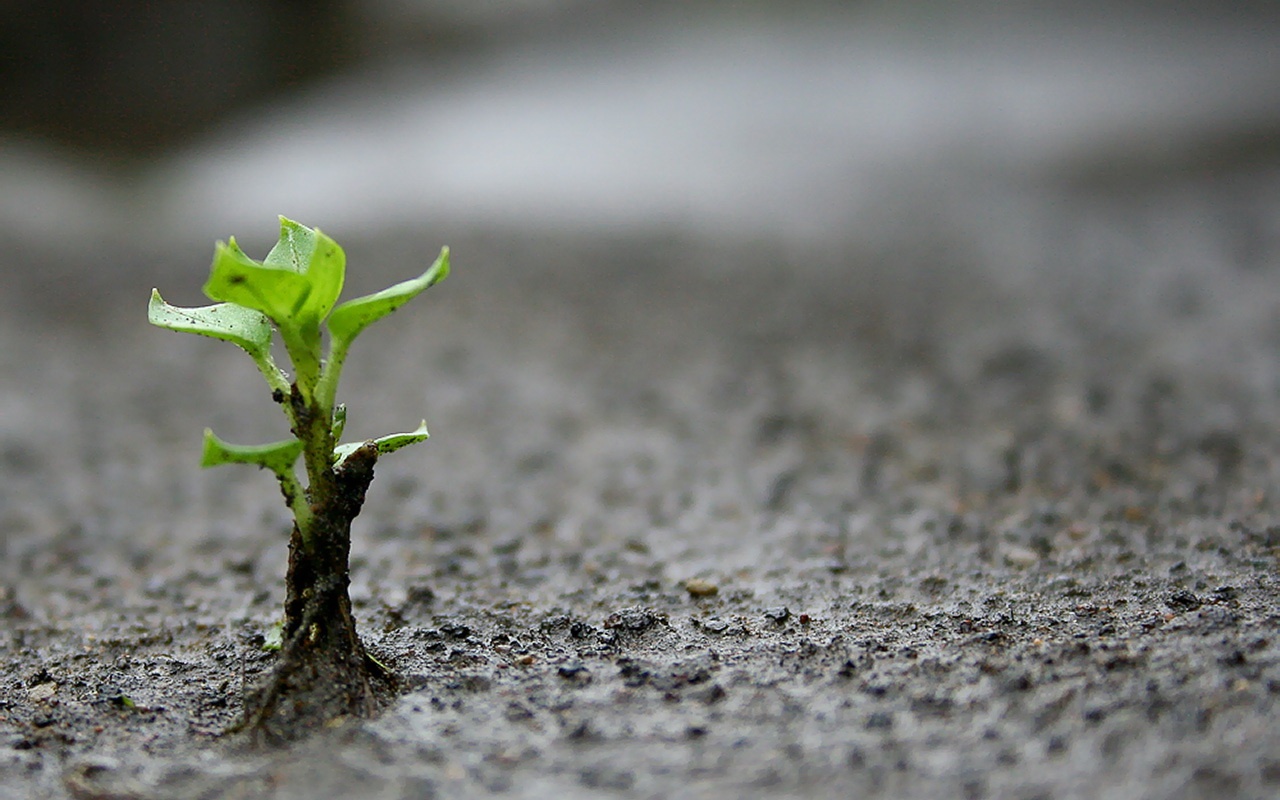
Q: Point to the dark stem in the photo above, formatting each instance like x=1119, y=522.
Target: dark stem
x=323, y=672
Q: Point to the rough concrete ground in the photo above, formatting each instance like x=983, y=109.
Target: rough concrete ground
x=971, y=515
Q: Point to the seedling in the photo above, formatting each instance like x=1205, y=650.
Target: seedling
x=322, y=671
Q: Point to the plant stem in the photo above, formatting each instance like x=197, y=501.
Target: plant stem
x=295, y=498
x=276, y=379
x=330, y=371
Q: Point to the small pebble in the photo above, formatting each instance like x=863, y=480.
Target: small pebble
x=778, y=614
x=41, y=692
x=1021, y=557
x=697, y=587
x=1079, y=531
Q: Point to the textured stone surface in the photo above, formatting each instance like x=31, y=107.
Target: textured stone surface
x=984, y=520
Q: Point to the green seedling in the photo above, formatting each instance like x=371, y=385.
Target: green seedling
x=322, y=671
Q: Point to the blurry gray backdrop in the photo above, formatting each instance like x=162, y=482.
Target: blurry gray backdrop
x=170, y=123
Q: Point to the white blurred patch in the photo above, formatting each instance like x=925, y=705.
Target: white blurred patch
x=798, y=127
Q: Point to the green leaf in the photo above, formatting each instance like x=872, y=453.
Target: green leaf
x=339, y=420
x=273, y=637
x=349, y=319
x=292, y=251
x=236, y=278
x=314, y=255
x=279, y=457
x=385, y=444
x=327, y=273
x=247, y=329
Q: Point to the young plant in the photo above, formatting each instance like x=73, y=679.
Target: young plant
x=323, y=671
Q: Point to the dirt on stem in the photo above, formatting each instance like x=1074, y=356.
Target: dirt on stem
x=323, y=673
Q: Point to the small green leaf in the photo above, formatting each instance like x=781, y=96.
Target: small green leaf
x=278, y=457
x=339, y=420
x=247, y=329
x=236, y=278
x=292, y=251
x=273, y=637
x=309, y=252
x=394, y=441
x=385, y=444
x=349, y=319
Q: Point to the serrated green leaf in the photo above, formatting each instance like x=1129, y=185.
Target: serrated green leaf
x=349, y=319
x=385, y=444
x=236, y=278
x=314, y=255
x=279, y=457
x=247, y=329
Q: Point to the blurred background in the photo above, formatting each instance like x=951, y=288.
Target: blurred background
x=175, y=123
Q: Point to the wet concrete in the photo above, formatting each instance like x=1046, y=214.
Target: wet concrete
x=979, y=504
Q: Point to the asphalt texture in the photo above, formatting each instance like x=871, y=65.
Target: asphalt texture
x=985, y=510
